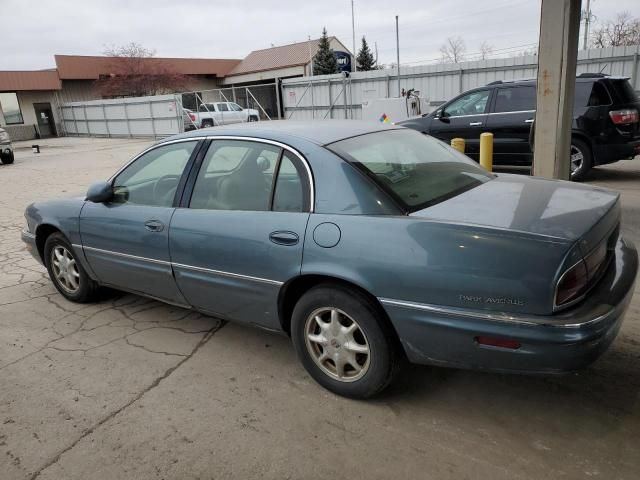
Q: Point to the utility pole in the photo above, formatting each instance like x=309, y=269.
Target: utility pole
x=353, y=31
x=376, y=44
x=587, y=21
x=398, y=56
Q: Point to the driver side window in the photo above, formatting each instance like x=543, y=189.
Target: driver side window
x=153, y=178
x=474, y=103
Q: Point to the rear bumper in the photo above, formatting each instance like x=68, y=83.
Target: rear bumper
x=557, y=343
x=608, y=153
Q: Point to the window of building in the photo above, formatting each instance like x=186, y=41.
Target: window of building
x=11, y=108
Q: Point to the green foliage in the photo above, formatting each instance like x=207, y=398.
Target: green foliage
x=364, y=59
x=324, y=62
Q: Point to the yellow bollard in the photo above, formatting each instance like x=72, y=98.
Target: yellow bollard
x=458, y=144
x=486, y=150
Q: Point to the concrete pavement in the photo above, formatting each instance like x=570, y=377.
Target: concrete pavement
x=130, y=388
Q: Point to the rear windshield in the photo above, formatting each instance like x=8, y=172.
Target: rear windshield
x=416, y=170
x=624, y=91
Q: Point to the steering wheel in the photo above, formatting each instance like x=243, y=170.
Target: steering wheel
x=171, y=183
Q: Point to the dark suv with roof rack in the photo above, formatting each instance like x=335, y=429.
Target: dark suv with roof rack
x=605, y=124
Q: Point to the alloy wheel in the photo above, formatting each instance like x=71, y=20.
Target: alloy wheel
x=337, y=344
x=577, y=158
x=65, y=269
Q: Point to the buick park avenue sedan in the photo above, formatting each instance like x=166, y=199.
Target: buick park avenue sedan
x=367, y=244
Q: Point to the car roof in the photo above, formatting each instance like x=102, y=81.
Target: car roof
x=583, y=77
x=320, y=132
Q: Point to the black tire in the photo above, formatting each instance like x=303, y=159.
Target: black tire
x=580, y=147
x=8, y=159
x=253, y=118
x=372, y=329
x=207, y=123
x=87, y=289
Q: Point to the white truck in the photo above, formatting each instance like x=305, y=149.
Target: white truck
x=222, y=113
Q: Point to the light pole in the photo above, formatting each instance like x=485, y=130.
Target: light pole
x=398, y=56
x=353, y=32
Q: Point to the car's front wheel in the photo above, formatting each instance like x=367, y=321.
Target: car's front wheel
x=343, y=341
x=66, y=273
x=7, y=159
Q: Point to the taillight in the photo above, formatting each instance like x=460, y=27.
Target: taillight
x=572, y=283
x=624, y=117
x=575, y=280
x=192, y=117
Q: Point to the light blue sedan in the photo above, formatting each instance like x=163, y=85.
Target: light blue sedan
x=367, y=244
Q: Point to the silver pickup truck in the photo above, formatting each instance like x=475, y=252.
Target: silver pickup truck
x=221, y=113
x=6, y=150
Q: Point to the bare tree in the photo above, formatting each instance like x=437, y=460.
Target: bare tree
x=625, y=30
x=135, y=72
x=531, y=51
x=486, y=50
x=453, y=50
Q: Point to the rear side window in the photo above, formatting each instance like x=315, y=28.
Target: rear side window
x=588, y=94
x=515, y=99
x=288, y=195
x=223, y=107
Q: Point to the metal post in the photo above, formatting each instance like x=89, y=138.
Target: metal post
x=635, y=75
x=587, y=20
x=233, y=93
x=75, y=121
x=486, y=150
x=330, y=111
x=557, y=58
x=153, y=127
x=106, y=122
x=126, y=116
x=313, y=103
x=398, y=55
x=86, y=120
x=344, y=93
x=278, y=99
x=460, y=80
x=388, y=85
x=353, y=30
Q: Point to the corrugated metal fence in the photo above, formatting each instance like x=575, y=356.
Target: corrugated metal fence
x=334, y=96
x=154, y=116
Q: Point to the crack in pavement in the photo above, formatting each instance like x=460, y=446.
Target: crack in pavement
x=113, y=414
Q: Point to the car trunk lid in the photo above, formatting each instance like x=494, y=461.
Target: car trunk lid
x=562, y=210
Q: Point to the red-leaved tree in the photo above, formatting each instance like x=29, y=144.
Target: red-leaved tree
x=135, y=72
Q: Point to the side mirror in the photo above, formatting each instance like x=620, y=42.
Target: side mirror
x=444, y=118
x=100, y=192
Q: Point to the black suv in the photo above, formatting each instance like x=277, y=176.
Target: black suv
x=605, y=124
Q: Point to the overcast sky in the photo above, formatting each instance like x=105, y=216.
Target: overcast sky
x=34, y=30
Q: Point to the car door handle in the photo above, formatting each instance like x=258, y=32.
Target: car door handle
x=154, y=225
x=475, y=124
x=284, y=238
x=529, y=120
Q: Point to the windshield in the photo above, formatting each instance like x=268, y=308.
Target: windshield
x=415, y=169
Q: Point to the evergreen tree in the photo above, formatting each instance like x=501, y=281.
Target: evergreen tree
x=324, y=62
x=364, y=59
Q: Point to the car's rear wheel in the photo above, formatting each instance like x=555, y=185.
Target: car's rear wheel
x=581, y=159
x=66, y=273
x=207, y=123
x=343, y=341
x=253, y=118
